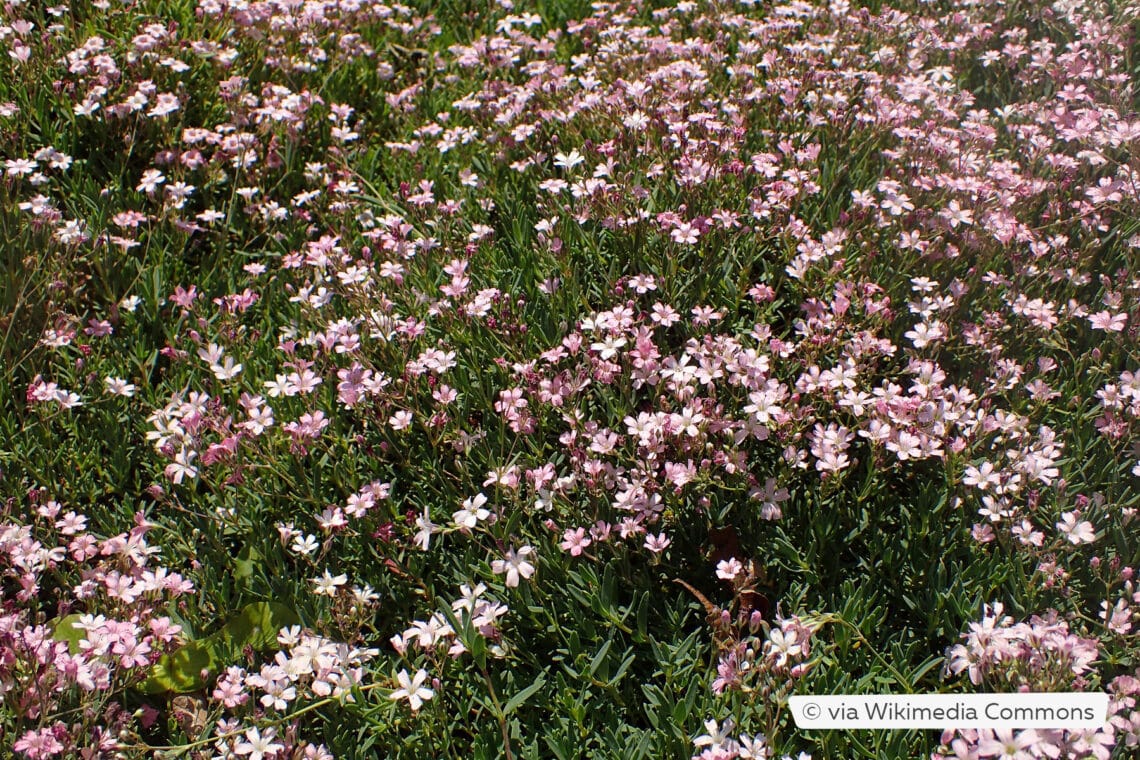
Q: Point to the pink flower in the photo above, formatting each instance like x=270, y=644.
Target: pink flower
x=515, y=565
x=39, y=744
x=1104, y=320
x=685, y=234
x=1075, y=530
x=575, y=541
x=727, y=569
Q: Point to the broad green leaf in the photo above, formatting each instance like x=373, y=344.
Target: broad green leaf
x=257, y=625
x=186, y=669
x=67, y=630
x=247, y=560
x=192, y=666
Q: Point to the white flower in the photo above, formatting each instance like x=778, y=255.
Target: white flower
x=1077, y=531
x=67, y=399
x=426, y=526
x=151, y=179
x=782, y=645
x=412, y=689
x=924, y=334
x=608, y=348
x=716, y=735
x=328, y=583
x=755, y=748
x=364, y=595
x=211, y=354
x=515, y=565
x=685, y=233
x=472, y=512
x=117, y=386
x=304, y=544
x=568, y=161
x=258, y=746
x=226, y=371
x=981, y=477
x=181, y=468
x=428, y=634
x=469, y=598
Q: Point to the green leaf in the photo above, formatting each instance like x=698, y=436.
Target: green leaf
x=516, y=701
x=643, y=618
x=622, y=668
x=192, y=666
x=247, y=559
x=257, y=625
x=186, y=669
x=66, y=629
x=600, y=657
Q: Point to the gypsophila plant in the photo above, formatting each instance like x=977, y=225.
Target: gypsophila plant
x=553, y=378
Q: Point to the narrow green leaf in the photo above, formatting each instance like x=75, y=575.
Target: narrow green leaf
x=516, y=701
x=600, y=657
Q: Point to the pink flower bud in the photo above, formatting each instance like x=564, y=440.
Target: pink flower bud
x=754, y=621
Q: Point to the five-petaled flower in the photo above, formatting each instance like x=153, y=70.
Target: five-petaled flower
x=515, y=565
x=258, y=745
x=412, y=689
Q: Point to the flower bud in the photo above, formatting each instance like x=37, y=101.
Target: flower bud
x=754, y=621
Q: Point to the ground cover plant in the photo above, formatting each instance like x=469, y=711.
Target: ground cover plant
x=560, y=379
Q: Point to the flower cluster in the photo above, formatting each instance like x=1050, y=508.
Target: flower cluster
x=719, y=743
x=309, y=668
x=471, y=608
x=1040, y=654
x=86, y=618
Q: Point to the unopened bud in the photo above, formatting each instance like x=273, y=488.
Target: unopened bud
x=754, y=621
